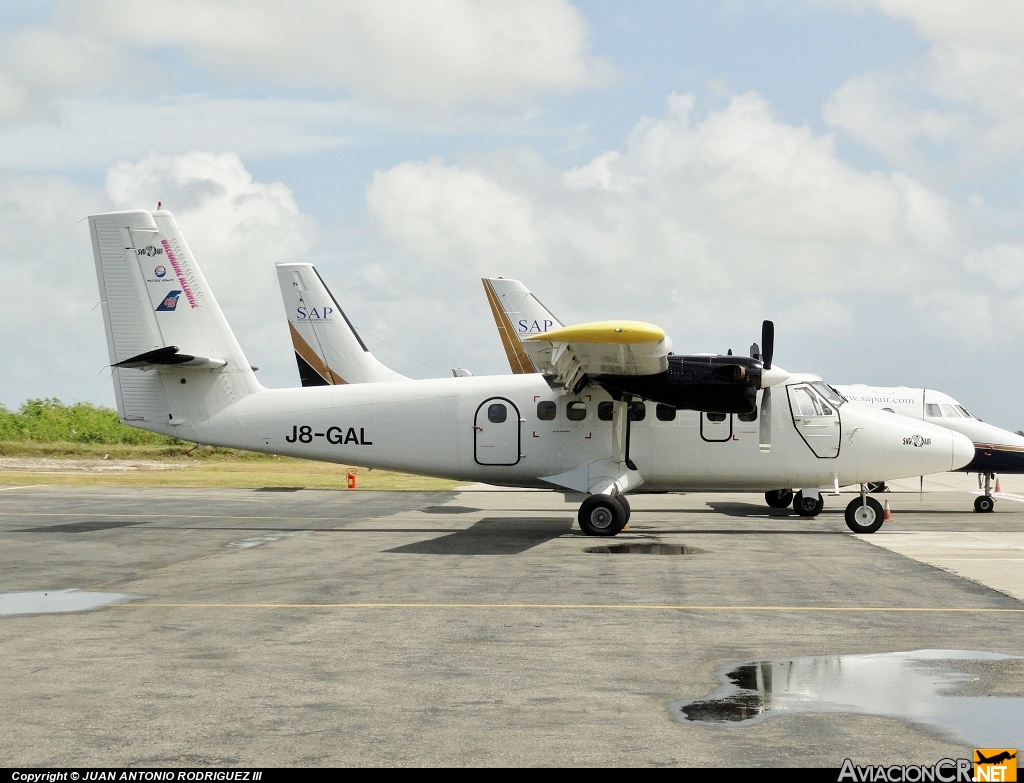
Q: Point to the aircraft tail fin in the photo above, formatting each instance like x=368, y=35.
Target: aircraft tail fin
x=174, y=358
x=517, y=314
x=328, y=349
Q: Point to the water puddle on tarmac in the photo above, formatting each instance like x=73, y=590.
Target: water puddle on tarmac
x=56, y=601
x=644, y=549
x=951, y=690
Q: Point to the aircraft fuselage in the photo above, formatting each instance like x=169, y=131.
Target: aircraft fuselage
x=513, y=430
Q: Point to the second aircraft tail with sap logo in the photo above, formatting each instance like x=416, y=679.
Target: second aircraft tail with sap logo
x=518, y=314
x=328, y=350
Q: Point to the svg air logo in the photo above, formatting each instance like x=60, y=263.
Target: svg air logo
x=918, y=441
x=998, y=764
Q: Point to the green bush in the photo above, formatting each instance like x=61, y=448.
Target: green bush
x=51, y=421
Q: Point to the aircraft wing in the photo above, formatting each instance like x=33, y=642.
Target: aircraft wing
x=572, y=354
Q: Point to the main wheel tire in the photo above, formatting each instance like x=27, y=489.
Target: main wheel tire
x=984, y=504
x=625, y=507
x=779, y=498
x=864, y=517
x=808, y=506
x=602, y=515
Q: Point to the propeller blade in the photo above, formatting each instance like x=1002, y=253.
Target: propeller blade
x=768, y=343
x=755, y=351
x=765, y=426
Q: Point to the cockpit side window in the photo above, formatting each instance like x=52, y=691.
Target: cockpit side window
x=950, y=412
x=964, y=411
x=931, y=409
x=829, y=393
x=806, y=403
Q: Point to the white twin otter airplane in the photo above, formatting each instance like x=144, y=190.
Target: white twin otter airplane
x=576, y=426
x=314, y=320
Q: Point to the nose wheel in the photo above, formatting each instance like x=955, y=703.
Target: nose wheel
x=984, y=504
x=864, y=515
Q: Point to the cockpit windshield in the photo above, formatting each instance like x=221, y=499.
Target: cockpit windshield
x=829, y=393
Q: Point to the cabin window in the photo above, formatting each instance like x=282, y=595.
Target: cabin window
x=546, y=410
x=932, y=410
x=665, y=412
x=637, y=411
x=576, y=411
x=716, y=416
x=752, y=416
x=496, y=413
x=604, y=410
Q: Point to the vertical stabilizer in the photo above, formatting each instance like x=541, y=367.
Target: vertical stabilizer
x=328, y=350
x=517, y=314
x=174, y=357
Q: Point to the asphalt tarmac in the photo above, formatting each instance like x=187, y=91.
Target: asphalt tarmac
x=334, y=628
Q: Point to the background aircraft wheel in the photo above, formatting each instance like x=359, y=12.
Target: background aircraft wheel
x=809, y=506
x=602, y=515
x=984, y=504
x=779, y=498
x=861, y=518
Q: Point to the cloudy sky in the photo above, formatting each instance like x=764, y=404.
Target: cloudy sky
x=851, y=169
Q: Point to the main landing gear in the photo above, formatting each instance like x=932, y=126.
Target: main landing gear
x=604, y=515
x=779, y=498
x=986, y=503
x=804, y=505
x=808, y=505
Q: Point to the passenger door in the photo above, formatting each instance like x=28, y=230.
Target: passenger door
x=496, y=432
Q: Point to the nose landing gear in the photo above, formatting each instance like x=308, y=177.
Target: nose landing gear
x=986, y=503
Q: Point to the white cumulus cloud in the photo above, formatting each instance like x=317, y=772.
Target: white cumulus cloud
x=694, y=214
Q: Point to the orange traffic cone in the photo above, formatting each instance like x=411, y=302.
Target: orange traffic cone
x=997, y=484
x=887, y=516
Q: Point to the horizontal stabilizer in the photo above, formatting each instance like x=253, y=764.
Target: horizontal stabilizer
x=170, y=355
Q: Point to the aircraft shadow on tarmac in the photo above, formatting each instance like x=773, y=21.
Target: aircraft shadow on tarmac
x=493, y=536
x=86, y=526
x=740, y=509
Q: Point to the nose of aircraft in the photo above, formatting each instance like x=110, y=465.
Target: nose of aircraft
x=895, y=446
x=963, y=450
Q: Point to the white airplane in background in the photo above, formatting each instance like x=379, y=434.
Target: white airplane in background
x=995, y=450
x=178, y=370
x=520, y=316
x=341, y=348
